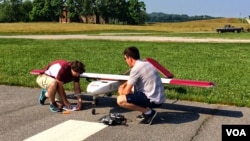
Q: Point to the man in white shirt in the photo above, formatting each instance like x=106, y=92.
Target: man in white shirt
x=148, y=90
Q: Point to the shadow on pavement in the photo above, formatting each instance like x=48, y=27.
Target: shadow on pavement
x=180, y=113
x=202, y=110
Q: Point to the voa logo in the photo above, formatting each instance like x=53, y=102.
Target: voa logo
x=236, y=132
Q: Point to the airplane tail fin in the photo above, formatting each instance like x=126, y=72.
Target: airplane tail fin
x=169, y=75
x=160, y=68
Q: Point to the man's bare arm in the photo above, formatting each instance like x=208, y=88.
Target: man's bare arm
x=77, y=89
x=125, y=88
x=62, y=93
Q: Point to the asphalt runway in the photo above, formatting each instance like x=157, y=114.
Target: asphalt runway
x=22, y=118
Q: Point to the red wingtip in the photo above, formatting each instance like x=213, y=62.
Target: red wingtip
x=36, y=72
x=194, y=83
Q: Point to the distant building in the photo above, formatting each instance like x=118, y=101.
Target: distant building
x=92, y=19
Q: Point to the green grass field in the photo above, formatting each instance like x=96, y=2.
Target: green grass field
x=225, y=64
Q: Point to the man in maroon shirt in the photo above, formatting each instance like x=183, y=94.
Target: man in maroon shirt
x=52, y=79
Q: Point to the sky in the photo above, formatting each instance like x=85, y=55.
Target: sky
x=214, y=8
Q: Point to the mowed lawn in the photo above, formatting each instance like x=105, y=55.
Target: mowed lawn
x=225, y=64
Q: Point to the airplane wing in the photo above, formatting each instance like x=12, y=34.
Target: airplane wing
x=170, y=81
x=158, y=66
x=114, y=77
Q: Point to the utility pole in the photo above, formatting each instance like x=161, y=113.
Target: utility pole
x=241, y=18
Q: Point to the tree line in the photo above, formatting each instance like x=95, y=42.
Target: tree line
x=132, y=12
x=121, y=11
x=162, y=17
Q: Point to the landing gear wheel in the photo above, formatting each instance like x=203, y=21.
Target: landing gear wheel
x=96, y=101
x=93, y=111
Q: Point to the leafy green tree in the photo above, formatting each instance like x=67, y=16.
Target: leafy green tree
x=3, y=11
x=122, y=11
x=52, y=9
x=136, y=12
x=11, y=11
x=37, y=13
x=87, y=8
x=46, y=10
x=104, y=7
x=27, y=7
x=112, y=11
x=118, y=11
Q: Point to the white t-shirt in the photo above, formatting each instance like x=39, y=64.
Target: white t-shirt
x=146, y=79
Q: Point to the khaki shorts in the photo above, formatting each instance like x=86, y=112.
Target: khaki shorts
x=44, y=81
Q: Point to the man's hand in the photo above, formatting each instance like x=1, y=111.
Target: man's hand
x=121, y=88
x=67, y=104
x=79, y=104
x=125, y=88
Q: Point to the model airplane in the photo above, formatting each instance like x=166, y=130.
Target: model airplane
x=108, y=83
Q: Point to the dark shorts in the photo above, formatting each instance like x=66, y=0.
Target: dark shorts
x=140, y=99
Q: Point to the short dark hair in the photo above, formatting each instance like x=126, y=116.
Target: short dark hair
x=132, y=52
x=77, y=66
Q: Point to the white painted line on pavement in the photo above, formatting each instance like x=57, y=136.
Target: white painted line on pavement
x=71, y=130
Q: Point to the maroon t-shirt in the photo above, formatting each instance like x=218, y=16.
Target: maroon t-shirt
x=61, y=70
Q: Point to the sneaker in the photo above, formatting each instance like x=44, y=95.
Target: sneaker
x=140, y=117
x=149, y=118
x=53, y=108
x=42, y=97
